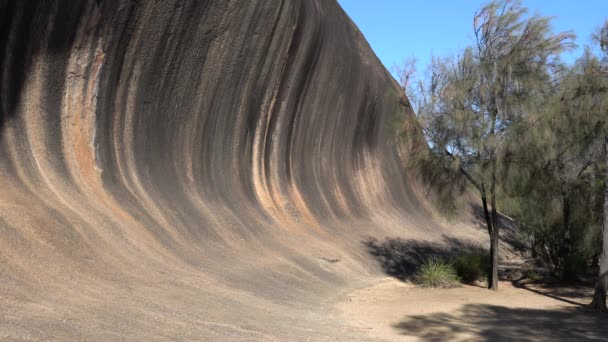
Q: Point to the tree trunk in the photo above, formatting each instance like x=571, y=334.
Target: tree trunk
x=494, y=234
x=494, y=238
x=493, y=277
x=486, y=213
x=595, y=261
x=566, y=247
x=566, y=211
x=599, y=298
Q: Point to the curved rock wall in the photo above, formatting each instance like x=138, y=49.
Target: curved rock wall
x=191, y=168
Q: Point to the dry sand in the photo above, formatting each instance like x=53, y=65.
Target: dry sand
x=396, y=311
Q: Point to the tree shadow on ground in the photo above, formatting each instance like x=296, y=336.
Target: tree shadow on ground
x=571, y=294
x=399, y=258
x=481, y=322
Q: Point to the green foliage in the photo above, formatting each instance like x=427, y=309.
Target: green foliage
x=466, y=266
x=472, y=104
x=554, y=188
x=445, y=181
x=530, y=273
x=437, y=272
x=508, y=118
x=542, y=230
x=524, y=239
x=473, y=265
x=575, y=266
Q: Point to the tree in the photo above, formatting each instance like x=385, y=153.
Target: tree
x=599, y=297
x=556, y=157
x=470, y=104
x=406, y=73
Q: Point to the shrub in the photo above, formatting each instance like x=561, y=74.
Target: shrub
x=530, y=273
x=523, y=240
x=436, y=272
x=473, y=265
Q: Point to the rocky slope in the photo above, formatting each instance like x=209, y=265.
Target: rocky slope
x=200, y=170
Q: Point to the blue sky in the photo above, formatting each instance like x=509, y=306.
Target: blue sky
x=397, y=29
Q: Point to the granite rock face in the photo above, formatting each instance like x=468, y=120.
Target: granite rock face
x=193, y=169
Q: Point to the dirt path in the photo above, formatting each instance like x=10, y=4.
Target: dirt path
x=395, y=311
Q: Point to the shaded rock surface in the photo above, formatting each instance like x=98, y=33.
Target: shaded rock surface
x=193, y=170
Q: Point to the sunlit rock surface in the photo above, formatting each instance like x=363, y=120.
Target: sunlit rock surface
x=193, y=170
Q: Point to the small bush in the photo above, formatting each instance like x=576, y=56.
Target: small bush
x=523, y=240
x=436, y=272
x=530, y=273
x=473, y=265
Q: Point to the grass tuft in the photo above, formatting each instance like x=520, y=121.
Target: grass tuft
x=436, y=272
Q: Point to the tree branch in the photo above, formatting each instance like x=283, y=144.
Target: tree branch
x=467, y=175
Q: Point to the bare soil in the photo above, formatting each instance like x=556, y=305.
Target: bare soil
x=393, y=310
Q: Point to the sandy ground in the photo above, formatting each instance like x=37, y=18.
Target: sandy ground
x=392, y=310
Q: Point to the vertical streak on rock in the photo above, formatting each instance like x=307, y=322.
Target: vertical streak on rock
x=179, y=162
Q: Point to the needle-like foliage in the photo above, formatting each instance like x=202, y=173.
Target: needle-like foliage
x=471, y=104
